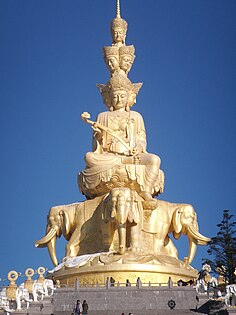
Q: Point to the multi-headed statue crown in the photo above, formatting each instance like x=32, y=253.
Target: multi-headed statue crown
x=119, y=66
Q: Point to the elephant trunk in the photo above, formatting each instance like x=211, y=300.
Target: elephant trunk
x=52, y=250
x=192, y=249
x=122, y=238
x=122, y=218
x=121, y=207
x=195, y=238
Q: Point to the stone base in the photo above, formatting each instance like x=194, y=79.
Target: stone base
x=154, y=300
x=115, y=300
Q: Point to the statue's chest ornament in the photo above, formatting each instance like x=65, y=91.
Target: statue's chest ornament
x=120, y=123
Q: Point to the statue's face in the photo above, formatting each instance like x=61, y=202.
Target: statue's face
x=126, y=63
x=119, y=99
x=112, y=63
x=119, y=35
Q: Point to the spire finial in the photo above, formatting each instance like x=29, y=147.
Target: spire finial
x=118, y=8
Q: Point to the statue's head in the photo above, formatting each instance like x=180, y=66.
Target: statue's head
x=120, y=88
x=118, y=28
x=111, y=56
x=122, y=92
x=119, y=92
x=126, y=57
x=118, y=34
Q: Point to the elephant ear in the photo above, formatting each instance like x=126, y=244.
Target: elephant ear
x=66, y=223
x=177, y=226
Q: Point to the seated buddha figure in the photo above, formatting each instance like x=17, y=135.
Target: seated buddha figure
x=119, y=144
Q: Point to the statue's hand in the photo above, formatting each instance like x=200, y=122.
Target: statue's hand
x=97, y=131
x=96, y=128
x=134, y=151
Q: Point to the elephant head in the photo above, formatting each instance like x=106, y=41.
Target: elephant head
x=60, y=222
x=185, y=221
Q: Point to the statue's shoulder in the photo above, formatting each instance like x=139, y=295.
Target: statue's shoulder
x=102, y=115
x=136, y=115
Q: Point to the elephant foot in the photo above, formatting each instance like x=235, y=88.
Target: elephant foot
x=135, y=249
x=158, y=251
x=121, y=250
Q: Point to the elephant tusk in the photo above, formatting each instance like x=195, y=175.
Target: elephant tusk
x=47, y=238
x=200, y=239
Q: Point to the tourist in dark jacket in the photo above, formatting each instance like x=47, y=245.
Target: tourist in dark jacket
x=85, y=307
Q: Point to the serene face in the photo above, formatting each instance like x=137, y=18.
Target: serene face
x=119, y=99
x=126, y=63
x=119, y=35
x=112, y=63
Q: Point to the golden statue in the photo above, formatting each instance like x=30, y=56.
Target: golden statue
x=121, y=228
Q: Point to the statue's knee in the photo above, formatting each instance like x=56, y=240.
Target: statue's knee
x=154, y=160
x=88, y=159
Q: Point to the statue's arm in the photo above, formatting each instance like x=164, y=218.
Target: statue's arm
x=98, y=135
x=141, y=140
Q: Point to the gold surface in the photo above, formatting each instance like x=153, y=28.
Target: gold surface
x=11, y=291
x=147, y=273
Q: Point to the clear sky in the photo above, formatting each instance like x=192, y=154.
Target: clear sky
x=50, y=62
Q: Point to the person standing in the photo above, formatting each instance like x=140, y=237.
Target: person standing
x=128, y=284
x=112, y=281
x=78, y=308
x=85, y=307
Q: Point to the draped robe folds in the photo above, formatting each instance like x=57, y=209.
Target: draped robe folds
x=109, y=152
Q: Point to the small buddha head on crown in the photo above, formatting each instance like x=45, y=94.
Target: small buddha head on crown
x=118, y=28
x=126, y=57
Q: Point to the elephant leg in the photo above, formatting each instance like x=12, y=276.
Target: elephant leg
x=170, y=247
x=107, y=230
x=18, y=303
x=73, y=246
x=158, y=244
x=135, y=237
x=122, y=238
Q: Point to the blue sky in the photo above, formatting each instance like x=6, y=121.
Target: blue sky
x=50, y=62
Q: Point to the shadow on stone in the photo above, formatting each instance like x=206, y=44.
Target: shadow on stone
x=212, y=307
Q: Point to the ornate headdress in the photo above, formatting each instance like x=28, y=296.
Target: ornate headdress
x=105, y=92
x=137, y=87
x=120, y=82
x=110, y=51
x=118, y=22
x=127, y=50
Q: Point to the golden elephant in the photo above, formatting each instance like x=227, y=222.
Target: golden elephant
x=78, y=223
x=173, y=218
x=123, y=207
